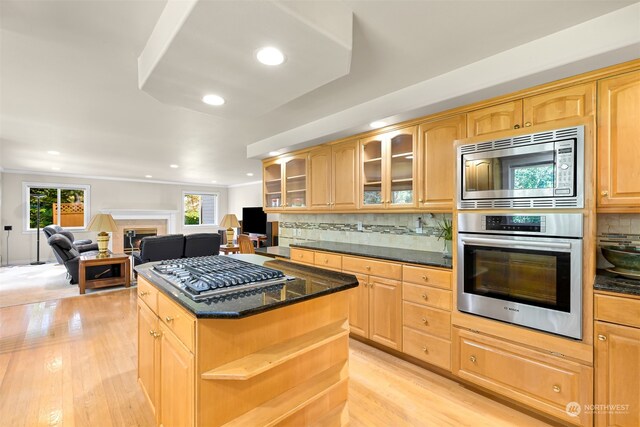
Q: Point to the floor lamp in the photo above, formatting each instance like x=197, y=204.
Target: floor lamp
x=38, y=197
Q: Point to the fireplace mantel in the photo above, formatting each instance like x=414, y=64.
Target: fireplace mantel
x=124, y=214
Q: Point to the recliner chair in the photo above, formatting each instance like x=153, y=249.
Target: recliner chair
x=69, y=256
x=82, y=246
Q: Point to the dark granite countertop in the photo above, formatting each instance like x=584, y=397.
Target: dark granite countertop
x=274, y=251
x=433, y=259
x=611, y=282
x=309, y=282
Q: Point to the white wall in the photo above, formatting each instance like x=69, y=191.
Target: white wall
x=105, y=194
x=244, y=196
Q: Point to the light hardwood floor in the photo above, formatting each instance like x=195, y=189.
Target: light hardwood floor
x=72, y=362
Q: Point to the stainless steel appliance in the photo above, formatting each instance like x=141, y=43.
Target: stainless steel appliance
x=522, y=269
x=539, y=170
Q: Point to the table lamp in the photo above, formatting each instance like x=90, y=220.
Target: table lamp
x=103, y=223
x=229, y=221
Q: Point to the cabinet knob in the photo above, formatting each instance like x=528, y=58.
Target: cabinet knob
x=425, y=297
x=425, y=278
x=556, y=388
x=388, y=201
x=604, y=193
x=328, y=204
x=368, y=267
x=425, y=321
x=473, y=359
x=420, y=200
x=151, y=332
x=425, y=349
x=602, y=337
x=516, y=126
x=528, y=124
x=326, y=261
x=169, y=319
x=144, y=293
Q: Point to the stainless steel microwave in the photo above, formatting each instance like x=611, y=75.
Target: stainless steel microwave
x=539, y=170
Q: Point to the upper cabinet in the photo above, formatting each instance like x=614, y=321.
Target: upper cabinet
x=437, y=161
x=388, y=170
x=333, y=172
x=619, y=143
x=570, y=102
x=285, y=182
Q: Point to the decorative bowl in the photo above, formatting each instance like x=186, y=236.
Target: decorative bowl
x=624, y=257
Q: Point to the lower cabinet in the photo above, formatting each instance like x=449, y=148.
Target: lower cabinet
x=549, y=384
x=617, y=361
x=149, y=355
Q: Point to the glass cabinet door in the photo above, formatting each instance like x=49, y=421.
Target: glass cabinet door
x=401, y=155
x=296, y=182
x=372, y=191
x=273, y=186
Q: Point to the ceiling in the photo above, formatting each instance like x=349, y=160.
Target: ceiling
x=69, y=78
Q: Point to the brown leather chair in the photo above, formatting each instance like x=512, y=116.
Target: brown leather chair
x=246, y=245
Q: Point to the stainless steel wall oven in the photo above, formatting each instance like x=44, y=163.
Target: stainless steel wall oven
x=522, y=269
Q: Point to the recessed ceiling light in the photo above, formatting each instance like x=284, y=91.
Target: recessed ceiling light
x=377, y=124
x=213, y=182
x=273, y=153
x=213, y=99
x=55, y=168
x=53, y=153
x=173, y=166
x=148, y=176
x=270, y=56
x=249, y=174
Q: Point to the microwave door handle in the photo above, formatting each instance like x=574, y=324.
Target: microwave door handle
x=510, y=243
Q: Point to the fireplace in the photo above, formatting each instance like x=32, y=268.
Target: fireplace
x=133, y=236
x=163, y=221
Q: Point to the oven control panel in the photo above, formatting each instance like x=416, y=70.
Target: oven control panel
x=529, y=223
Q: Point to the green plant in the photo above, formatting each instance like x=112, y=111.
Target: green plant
x=445, y=228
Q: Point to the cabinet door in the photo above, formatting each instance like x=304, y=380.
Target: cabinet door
x=320, y=178
x=618, y=141
x=385, y=312
x=617, y=374
x=438, y=161
x=148, y=354
x=494, y=119
x=345, y=182
x=177, y=389
x=272, y=181
x=295, y=182
x=359, y=306
x=372, y=190
x=402, y=171
x=575, y=101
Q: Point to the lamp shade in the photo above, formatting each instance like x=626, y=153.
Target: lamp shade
x=229, y=221
x=102, y=222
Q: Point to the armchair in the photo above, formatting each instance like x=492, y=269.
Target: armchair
x=82, y=246
x=69, y=256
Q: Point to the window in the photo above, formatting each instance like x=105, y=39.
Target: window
x=200, y=208
x=61, y=204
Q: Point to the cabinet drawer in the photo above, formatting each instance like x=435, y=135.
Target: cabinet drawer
x=428, y=320
x=148, y=293
x=387, y=270
x=426, y=295
x=545, y=382
x=625, y=311
x=426, y=276
x=323, y=259
x=427, y=348
x=181, y=323
x=301, y=255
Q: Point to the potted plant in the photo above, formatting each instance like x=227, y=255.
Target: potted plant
x=445, y=228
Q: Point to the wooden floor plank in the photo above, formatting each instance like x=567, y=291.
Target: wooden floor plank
x=72, y=362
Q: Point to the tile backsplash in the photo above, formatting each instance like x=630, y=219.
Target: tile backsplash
x=617, y=230
x=388, y=230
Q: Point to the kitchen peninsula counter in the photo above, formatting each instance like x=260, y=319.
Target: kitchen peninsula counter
x=274, y=355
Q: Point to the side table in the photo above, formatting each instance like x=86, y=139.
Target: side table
x=95, y=260
x=224, y=249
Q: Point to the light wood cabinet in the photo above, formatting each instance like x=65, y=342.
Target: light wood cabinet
x=437, y=161
x=618, y=143
x=285, y=183
x=177, y=388
x=617, y=360
x=302, y=256
x=333, y=177
x=359, y=307
x=571, y=102
x=148, y=355
x=388, y=170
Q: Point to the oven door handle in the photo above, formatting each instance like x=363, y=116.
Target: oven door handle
x=509, y=243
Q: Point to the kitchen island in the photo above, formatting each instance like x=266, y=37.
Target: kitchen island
x=266, y=356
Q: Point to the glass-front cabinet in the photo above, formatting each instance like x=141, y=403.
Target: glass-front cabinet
x=389, y=170
x=285, y=183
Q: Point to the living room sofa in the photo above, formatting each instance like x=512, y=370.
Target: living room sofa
x=172, y=246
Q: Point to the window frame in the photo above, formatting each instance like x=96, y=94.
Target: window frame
x=216, y=210
x=26, y=202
